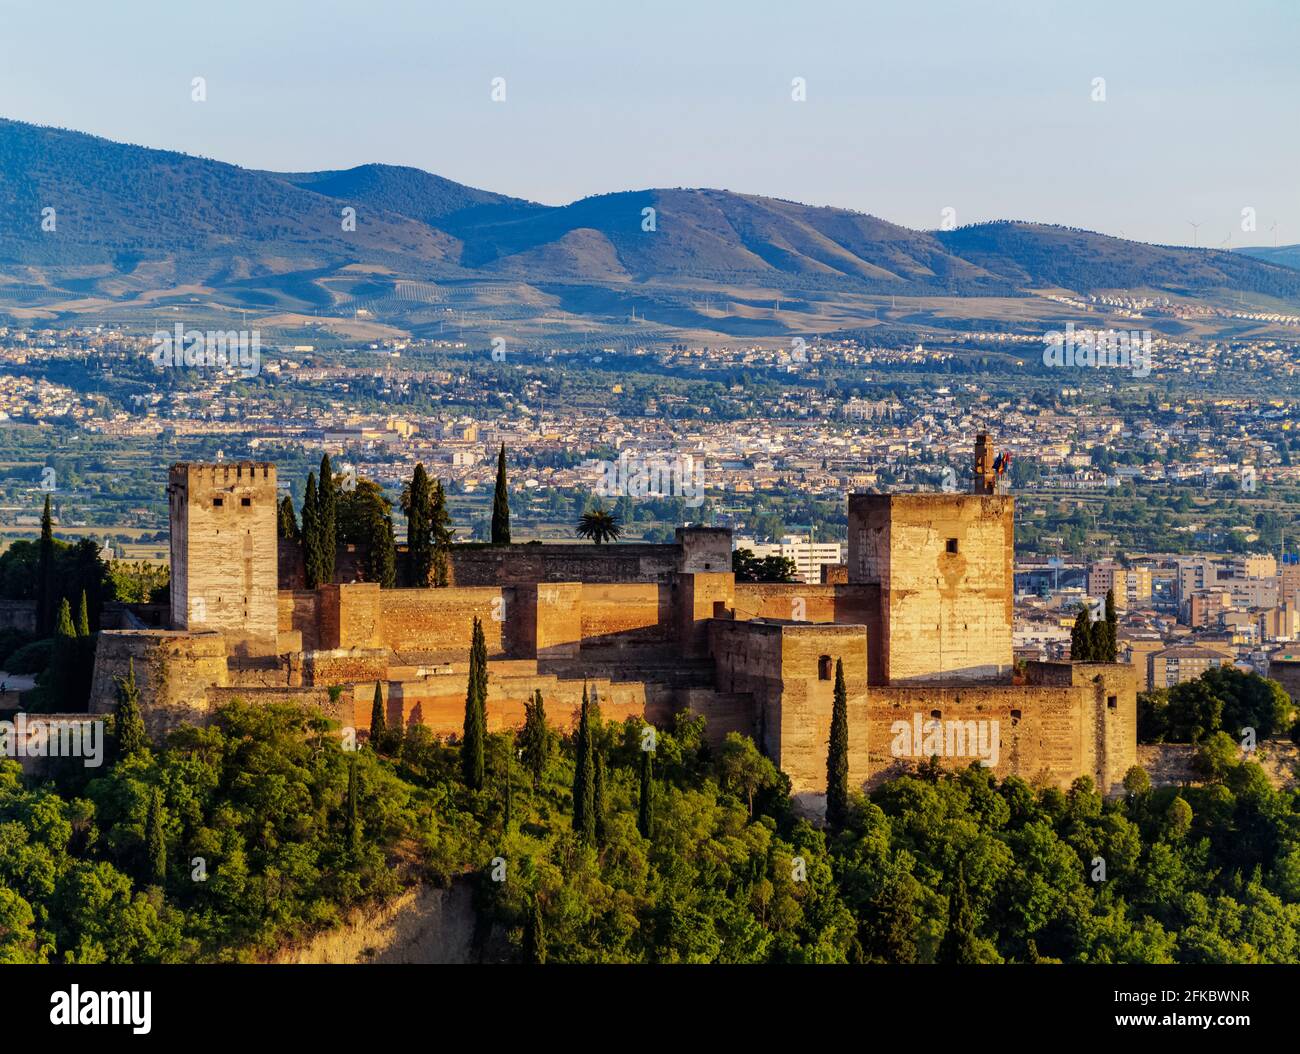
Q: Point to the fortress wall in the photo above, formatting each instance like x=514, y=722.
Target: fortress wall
x=173, y=670
x=697, y=598
x=1041, y=732
x=439, y=702
x=626, y=614
x=317, y=698
x=785, y=600
x=490, y=565
x=299, y=620
x=18, y=614
x=345, y=666
x=441, y=621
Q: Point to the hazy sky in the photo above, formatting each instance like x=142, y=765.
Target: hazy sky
x=912, y=107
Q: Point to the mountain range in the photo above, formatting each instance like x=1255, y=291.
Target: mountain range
x=130, y=222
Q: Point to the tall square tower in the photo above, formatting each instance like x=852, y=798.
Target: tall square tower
x=224, y=564
x=943, y=563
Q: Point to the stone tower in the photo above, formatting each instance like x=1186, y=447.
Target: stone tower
x=943, y=563
x=224, y=568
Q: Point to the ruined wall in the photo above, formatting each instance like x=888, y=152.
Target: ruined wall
x=224, y=552
x=943, y=565
x=173, y=670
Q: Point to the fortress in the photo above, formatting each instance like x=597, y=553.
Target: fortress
x=920, y=616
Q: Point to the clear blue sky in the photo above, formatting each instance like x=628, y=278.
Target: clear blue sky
x=984, y=107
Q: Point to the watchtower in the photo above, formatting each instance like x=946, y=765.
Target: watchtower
x=224, y=567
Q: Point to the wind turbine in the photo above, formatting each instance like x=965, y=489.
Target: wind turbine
x=1196, y=228
x=1273, y=229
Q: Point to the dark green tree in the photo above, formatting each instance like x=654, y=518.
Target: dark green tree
x=584, y=774
x=286, y=522
x=837, y=757
x=536, y=738
x=312, y=551
x=892, y=923
x=85, y=672
x=45, y=607
x=365, y=519
x=442, y=531
x=959, y=944
x=128, y=723
x=1081, y=636
x=1111, y=653
x=63, y=680
x=378, y=723
x=475, y=729
x=535, y=935
x=155, y=845
x=417, y=500
x=598, y=797
x=329, y=519
x=501, y=503
x=645, y=806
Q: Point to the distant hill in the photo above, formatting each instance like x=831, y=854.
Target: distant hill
x=1283, y=255
x=144, y=219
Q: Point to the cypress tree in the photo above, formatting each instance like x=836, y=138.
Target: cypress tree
x=419, y=531
x=286, y=522
x=155, y=846
x=128, y=724
x=598, y=798
x=475, y=731
x=353, y=823
x=584, y=789
x=63, y=671
x=378, y=724
x=645, y=808
x=536, y=738
x=1112, y=628
x=441, y=530
x=45, y=575
x=501, y=503
x=85, y=652
x=1081, y=636
x=510, y=749
x=381, y=547
x=958, y=944
x=329, y=520
x=837, y=757
x=312, y=557
x=534, y=935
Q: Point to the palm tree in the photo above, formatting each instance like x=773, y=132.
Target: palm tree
x=599, y=524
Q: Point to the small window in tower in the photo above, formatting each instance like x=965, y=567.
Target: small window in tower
x=245, y=502
x=824, y=668
x=952, y=545
x=1112, y=702
x=218, y=502
x=936, y=714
